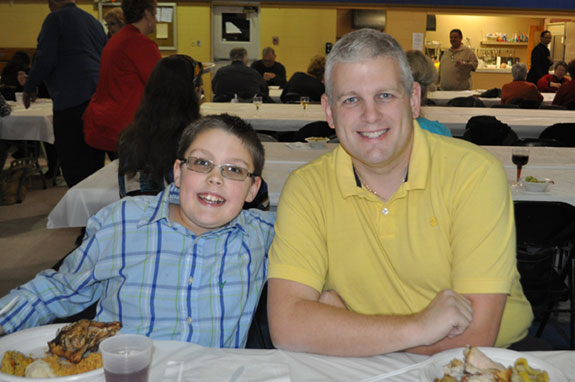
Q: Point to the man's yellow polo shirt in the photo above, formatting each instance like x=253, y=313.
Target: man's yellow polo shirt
x=450, y=225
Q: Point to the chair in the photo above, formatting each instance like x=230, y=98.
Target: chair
x=488, y=130
x=552, y=107
x=533, y=142
x=470, y=101
x=505, y=106
x=525, y=103
x=259, y=332
x=313, y=129
x=291, y=97
x=562, y=132
x=266, y=137
x=546, y=258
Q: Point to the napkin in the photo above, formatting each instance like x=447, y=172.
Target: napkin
x=229, y=370
x=298, y=146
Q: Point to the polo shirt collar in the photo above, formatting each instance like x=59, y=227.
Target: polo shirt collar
x=159, y=209
x=419, y=164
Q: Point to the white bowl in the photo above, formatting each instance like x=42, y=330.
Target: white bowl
x=537, y=186
x=317, y=142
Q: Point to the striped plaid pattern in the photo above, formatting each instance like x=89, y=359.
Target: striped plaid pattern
x=155, y=276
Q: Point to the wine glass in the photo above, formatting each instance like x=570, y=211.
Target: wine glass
x=520, y=157
x=304, y=102
x=257, y=101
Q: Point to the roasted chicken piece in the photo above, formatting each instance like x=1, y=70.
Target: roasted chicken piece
x=74, y=340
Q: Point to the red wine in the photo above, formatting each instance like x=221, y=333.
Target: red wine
x=520, y=160
x=138, y=376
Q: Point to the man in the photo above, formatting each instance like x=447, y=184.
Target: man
x=550, y=83
x=399, y=239
x=540, y=59
x=238, y=80
x=68, y=60
x=456, y=64
x=565, y=96
x=519, y=89
x=272, y=71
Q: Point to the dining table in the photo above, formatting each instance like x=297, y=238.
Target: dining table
x=101, y=188
x=32, y=124
x=442, y=97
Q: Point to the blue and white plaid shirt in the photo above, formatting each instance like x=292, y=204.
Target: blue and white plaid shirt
x=155, y=276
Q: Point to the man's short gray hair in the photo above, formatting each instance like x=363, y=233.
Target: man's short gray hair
x=519, y=71
x=268, y=50
x=238, y=54
x=365, y=44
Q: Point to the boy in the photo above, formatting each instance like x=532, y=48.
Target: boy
x=187, y=264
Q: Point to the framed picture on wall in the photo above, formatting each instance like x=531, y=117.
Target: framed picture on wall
x=166, y=28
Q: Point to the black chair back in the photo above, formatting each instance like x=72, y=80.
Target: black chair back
x=488, y=130
x=470, y=101
x=313, y=129
x=259, y=332
x=534, y=142
x=562, y=132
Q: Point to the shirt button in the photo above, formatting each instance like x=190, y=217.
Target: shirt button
x=385, y=211
x=190, y=320
x=190, y=280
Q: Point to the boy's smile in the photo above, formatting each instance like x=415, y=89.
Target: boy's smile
x=208, y=199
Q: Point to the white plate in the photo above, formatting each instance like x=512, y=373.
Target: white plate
x=506, y=357
x=35, y=341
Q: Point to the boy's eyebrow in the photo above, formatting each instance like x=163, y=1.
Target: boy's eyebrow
x=210, y=156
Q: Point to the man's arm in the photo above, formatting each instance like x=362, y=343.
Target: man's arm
x=300, y=322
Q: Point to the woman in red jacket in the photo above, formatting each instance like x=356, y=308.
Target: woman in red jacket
x=127, y=62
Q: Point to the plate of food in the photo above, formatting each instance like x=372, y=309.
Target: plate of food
x=317, y=142
x=58, y=352
x=532, y=184
x=491, y=364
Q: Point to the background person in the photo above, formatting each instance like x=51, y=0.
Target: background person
x=127, y=62
x=565, y=96
x=456, y=64
x=425, y=74
x=68, y=60
x=114, y=19
x=14, y=75
x=147, y=148
x=398, y=239
x=309, y=84
x=540, y=59
x=272, y=71
x=238, y=79
x=162, y=275
x=550, y=83
x=519, y=88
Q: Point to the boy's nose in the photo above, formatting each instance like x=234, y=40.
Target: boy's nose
x=215, y=176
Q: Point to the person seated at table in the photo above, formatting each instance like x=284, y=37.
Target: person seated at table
x=308, y=84
x=114, y=19
x=397, y=240
x=188, y=264
x=425, y=74
x=5, y=110
x=237, y=80
x=519, y=88
x=273, y=72
x=147, y=148
x=14, y=74
x=551, y=82
x=565, y=96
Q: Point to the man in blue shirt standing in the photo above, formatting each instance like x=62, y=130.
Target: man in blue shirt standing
x=68, y=61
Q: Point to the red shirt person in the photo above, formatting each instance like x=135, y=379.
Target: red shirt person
x=550, y=83
x=519, y=88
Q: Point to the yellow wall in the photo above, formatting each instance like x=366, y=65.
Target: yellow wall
x=302, y=34
x=402, y=24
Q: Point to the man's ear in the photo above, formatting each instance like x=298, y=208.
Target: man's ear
x=415, y=100
x=327, y=110
x=254, y=188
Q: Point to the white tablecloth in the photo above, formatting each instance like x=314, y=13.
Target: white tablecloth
x=441, y=97
x=527, y=123
x=33, y=124
x=100, y=189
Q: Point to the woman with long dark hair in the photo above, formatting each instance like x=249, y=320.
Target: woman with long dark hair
x=147, y=148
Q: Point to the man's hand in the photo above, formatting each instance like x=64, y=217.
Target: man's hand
x=27, y=98
x=555, y=85
x=268, y=76
x=448, y=315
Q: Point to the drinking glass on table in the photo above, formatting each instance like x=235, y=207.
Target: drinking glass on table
x=304, y=102
x=520, y=157
x=127, y=357
x=257, y=101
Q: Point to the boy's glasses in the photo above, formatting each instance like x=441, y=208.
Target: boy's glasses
x=205, y=166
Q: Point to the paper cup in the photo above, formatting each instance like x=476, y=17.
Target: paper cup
x=127, y=357
x=19, y=97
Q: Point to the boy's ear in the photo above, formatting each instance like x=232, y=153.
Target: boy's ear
x=177, y=172
x=254, y=188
